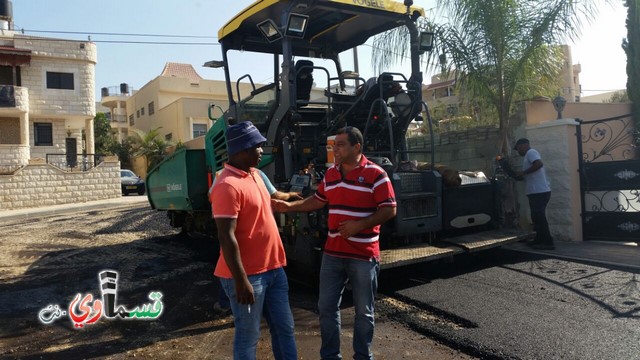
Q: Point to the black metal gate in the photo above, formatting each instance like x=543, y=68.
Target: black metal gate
x=609, y=166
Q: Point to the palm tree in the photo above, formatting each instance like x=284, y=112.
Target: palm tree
x=150, y=145
x=500, y=50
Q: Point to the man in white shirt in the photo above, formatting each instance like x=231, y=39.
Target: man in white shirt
x=538, y=192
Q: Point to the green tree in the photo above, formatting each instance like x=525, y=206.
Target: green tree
x=631, y=46
x=104, y=140
x=123, y=150
x=501, y=50
x=618, y=97
x=150, y=145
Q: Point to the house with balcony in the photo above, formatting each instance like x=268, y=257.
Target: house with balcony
x=46, y=122
x=114, y=100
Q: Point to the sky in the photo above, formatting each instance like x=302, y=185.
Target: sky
x=598, y=50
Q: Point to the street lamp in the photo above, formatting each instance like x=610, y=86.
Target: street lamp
x=215, y=64
x=558, y=103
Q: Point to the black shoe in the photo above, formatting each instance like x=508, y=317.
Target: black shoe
x=539, y=246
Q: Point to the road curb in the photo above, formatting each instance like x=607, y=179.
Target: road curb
x=577, y=258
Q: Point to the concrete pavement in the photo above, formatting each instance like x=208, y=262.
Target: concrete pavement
x=606, y=253
x=130, y=201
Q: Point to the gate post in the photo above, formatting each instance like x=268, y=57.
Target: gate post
x=556, y=142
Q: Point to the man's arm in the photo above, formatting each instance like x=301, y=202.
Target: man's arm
x=535, y=166
x=286, y=196
x=309, y=204
x=351, y=227
x=231, y=253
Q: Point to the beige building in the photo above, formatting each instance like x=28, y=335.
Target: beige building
x=46, y=122
x=177, y=101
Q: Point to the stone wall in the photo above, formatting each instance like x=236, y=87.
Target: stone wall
x=473, y=149
x=12, y=157
x=40, y=184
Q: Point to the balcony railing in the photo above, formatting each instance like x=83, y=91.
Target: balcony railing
x=14, y=97
x=119, y=118
x=7, y=96
x=75, y=162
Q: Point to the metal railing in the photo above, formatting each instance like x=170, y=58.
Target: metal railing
x=75, y=162
x=7, y=96
x=119, y=118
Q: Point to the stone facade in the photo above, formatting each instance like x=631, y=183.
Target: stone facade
x=44, y=185
x=78, y=58
x=12, y=157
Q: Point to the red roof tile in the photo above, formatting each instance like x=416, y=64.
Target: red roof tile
x=181, y=71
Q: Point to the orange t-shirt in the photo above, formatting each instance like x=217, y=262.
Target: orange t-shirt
x=243, y=196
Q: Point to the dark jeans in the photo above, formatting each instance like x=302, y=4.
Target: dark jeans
x=363, y=276
x=538, y=206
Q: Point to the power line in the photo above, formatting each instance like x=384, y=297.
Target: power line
x=123, y=41
x=89, y=33
x=151, y=42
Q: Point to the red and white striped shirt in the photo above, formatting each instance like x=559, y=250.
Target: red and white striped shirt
x=358, y=195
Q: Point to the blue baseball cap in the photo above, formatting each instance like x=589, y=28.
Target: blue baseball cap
x=243, y=136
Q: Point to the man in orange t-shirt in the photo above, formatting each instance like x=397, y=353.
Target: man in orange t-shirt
x=252, y=258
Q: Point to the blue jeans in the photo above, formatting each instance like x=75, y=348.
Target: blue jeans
x=271, y=293
x=363, y=276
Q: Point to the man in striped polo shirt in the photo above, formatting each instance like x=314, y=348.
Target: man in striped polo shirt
x=360, y=198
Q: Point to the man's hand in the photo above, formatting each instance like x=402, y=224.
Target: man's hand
x=294, y=196
x=279, y=205
x=349, y=228
x=244, y=291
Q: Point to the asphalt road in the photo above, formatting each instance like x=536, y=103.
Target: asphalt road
x=505, y=304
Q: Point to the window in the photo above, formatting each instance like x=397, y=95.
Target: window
x=151, y=108
x=168, y=137
x=43, y=134
x=137, y=114
x=6, y=75
x=59, y=80
x=131, y=120
x=142, y=111
x=199, y=130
